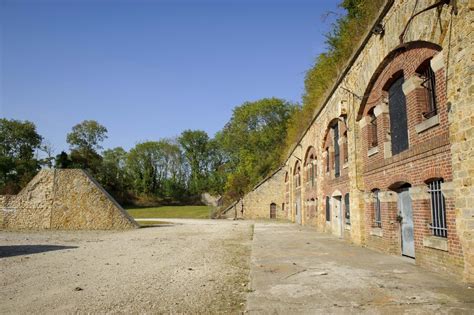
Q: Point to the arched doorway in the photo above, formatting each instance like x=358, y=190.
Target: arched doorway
x=273, y=208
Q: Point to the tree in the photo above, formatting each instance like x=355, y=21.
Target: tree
x=113, y=173
x=195, y=144
x=156, y=168
x=253, y=140
x=87, y=135
x=18, y=142
x=85, y=141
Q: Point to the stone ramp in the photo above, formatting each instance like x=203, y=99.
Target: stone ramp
x=295, y=270
x=68, y=199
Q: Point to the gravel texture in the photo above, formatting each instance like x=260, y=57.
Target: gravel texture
x=193, y=266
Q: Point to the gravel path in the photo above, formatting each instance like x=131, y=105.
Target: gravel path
x=194, y=266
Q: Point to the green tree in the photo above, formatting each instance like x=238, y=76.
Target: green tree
x=18, y=142
x=195, y=144
x=85, y=141
x=156, y=168
x=113, y=173
x=253, y=140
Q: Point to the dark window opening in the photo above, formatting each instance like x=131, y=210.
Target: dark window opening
x=347, y=209
x=327, y=160
x=373, y=138
x=438, y=209
x=328, y=210
x=398, y=117
x=336, y=151
x=345, y=149
x=429, y=85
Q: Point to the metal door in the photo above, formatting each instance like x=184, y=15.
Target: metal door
x=298, y=210
x=337, y=212
x=406, y=212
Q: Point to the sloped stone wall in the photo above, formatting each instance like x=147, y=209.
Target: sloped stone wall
x=63, y=199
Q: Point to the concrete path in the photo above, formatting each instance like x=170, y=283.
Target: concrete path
x=296, y=270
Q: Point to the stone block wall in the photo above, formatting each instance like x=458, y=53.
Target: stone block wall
x=67, y=199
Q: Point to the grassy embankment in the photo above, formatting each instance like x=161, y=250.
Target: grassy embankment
x=171, y=212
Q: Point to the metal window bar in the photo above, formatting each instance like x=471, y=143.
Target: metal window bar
x=438, y=209
x=348, y=212
x=373, y=130
x=378, y=215
x=429, y=83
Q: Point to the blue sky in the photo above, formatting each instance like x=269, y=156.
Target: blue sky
x=149, y=69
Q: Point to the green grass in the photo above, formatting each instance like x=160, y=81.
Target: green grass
x=155, y=222
x=182, y=212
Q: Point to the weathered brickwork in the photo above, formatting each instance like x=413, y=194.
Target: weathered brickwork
x=66, y=200
x=395, y=138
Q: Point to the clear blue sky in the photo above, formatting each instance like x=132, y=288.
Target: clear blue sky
x=149, y=69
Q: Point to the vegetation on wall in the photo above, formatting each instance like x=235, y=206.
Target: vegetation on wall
x=341, y=41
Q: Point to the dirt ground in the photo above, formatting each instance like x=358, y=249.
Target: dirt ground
x=194, y=266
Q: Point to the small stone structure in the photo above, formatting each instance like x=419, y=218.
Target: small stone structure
x=258, y=203
x=210, y=200
x=67, y=199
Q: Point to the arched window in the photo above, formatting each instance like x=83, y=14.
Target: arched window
x=372, y=131
x=377, y=210
x=438, y=208
x=335, y=129
x=428, y=98
x=398, y=116
x=297, y=175
x=273, y=207
x=345, y=148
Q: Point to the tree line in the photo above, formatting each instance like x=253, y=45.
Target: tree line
x=162, y=171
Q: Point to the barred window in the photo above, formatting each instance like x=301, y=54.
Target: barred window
x=328, y=209
x=347, y=209
x=373, y=141
x=429, y=85
x=438, y=209
x=377, y=212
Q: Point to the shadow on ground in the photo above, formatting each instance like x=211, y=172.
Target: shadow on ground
x=18, y=250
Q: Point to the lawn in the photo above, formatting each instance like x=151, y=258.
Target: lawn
x=187, y=212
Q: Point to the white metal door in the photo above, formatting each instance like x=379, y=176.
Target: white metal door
x=298, y=210
x=406, y=212
x=337, y=214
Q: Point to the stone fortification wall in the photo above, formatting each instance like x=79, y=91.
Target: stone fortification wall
x=63, y=199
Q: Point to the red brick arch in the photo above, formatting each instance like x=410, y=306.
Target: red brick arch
x=404, y=59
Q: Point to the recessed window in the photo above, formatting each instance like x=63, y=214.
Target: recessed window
x=377, y=210
x=328, y=209
x=438, y=209
x=429, y=106
x=398, y=116
x=372, y=134
x=336, y=151
x=347, y=209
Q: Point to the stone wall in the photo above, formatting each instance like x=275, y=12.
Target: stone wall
x=256, y=204
x=441, y=149
x=67, y=199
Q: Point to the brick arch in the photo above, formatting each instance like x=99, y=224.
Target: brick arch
x=404, y=59
x=326, y=131
x=297, y=166
x=432, y=173
x=310, y=151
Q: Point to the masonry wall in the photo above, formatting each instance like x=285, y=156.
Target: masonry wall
x=441, y=146
x=257, y=203
x=63, y=199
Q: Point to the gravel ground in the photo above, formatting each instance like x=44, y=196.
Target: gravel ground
x=194, y=266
